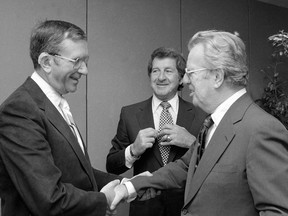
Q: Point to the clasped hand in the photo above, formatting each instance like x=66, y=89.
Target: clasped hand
x=117, y=193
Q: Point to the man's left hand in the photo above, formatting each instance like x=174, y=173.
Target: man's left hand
x=176, y=135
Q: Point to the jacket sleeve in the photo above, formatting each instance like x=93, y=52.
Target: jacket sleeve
x=115, y=162
x=27, y=157
x=103, y=178
x=267, y=168
x=171, y=176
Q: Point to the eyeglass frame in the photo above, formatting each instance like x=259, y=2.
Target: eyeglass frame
x=74, y=61
x=188, y=72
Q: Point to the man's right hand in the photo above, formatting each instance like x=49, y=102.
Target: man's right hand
x=121, y=194
x=145, y=139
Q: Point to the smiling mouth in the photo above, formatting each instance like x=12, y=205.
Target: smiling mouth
x=75, y=79
x=162, y=84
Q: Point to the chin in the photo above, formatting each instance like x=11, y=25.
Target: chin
x=72, y=90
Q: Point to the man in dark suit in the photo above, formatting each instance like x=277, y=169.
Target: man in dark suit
x=136, y=144
x=244, y=167
x=44, y=164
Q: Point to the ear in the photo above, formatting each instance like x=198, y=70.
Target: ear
x=219, y=77
x=44, y=60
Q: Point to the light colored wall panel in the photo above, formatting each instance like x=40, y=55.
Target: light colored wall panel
x=17, y=17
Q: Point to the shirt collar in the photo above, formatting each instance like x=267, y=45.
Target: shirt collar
x=220, y=111
x=174, y=102
x=48, y=90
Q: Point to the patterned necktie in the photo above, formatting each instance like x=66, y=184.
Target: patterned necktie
x=64, y=106
x=201, y=138
x=165, y=118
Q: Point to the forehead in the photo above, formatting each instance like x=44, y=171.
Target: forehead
x=196, y=57
x=164, y=62
x=71, y=47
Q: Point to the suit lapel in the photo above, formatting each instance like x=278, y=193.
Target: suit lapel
x=185, y=117
x=145, y=115
x=186, y=114
x=57, y=120
x=145, y=119
x=220, y=140
x=59, y=123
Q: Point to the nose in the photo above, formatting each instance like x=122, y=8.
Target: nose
x=162, y=75
x=186, y=79
x=83, y=69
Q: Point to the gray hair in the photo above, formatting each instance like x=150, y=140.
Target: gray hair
x=224, y=51
x=49, y=34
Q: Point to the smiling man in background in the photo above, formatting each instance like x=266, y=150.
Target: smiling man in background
x=156, y=131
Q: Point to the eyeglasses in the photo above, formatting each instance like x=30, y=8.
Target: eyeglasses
x=189, y=71
x=77, y=63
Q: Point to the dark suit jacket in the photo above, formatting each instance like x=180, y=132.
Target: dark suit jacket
x=134, y=118
x=243, y=171
x=43, y=170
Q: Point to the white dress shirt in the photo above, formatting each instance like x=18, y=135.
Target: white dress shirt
x=220, y=111
x=48, y=90
x=55, y=99
x=156, y=111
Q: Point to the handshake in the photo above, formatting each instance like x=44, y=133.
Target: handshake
x=117, y=192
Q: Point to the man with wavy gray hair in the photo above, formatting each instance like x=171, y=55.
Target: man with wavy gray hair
x=239, y=163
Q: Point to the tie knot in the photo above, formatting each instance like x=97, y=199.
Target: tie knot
x=165, y=104
x=208, y=122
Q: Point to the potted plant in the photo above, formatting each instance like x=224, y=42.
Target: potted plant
x=275, y=99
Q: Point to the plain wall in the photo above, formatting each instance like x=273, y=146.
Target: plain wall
x=226, y=15
x=121, y=36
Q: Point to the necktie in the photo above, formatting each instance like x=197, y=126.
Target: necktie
x=201, y=138
x=165, y=118
x=64, y=106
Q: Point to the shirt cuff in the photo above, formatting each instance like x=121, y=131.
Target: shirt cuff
x=129, y=159
x=131, y=191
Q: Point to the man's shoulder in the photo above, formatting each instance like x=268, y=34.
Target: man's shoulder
x=136, y=106
x=22, y=97
x=186, y=102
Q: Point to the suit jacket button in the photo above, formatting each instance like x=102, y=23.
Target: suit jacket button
x=184, y=211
